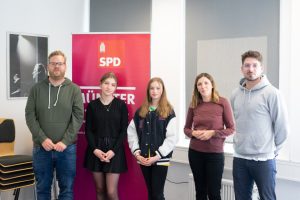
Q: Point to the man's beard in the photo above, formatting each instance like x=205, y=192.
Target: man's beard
x=56, y=77
x=251, y=78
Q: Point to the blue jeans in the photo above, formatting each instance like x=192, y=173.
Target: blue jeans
x=246, y=172
x=44, y=163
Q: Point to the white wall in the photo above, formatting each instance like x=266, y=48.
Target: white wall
x=167, y=53
x=55, y=18
x=290, y=71
x=167, y=62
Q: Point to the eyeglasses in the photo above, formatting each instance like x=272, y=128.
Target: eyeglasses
x=248, y=65
x=53, y=64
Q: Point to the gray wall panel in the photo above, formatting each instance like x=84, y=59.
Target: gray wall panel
x=217, y=19
x=120, y=15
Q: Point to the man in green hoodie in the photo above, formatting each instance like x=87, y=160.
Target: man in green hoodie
x=54, y=114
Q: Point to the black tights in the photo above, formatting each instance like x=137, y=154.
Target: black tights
x=106, y=185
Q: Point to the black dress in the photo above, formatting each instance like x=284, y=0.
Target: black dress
x=105, y=129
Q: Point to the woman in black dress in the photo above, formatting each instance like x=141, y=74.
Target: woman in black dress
x=105, y=130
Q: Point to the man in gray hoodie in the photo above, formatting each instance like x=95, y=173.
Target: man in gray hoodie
x=261, y=129
x=54, y=114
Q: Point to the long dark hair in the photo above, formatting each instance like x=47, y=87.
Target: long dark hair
x=196, y=94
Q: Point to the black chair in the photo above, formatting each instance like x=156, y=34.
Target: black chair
x=16, y=171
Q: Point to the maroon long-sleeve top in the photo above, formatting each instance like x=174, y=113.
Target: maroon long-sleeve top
x=210, y=116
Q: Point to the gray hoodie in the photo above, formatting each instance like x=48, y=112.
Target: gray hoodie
x=261, y=120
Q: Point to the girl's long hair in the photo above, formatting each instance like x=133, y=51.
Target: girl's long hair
x=197, y=98
x=164, y=108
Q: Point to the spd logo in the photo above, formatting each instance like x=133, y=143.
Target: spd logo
x=111, y=53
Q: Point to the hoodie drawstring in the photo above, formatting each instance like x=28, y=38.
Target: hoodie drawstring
x=246, y=101
x=49, y=96
x=249, y=95
x=56, y=96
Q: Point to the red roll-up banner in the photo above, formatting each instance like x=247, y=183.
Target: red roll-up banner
x=128, y=56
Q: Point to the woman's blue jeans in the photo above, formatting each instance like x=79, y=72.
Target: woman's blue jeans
x=64, y=163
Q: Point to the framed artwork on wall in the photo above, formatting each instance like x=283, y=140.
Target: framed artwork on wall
x=26, y=62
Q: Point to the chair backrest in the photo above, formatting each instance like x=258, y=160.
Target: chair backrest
x=7, y=137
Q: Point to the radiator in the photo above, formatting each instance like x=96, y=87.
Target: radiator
x=227, y=191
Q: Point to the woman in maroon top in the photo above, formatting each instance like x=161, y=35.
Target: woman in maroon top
x=209, y=121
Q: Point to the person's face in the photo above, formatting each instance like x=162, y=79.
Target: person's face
x=155, y=90
x=251, y=69
x=108, y=87
x=57, y=67
x=204, y=87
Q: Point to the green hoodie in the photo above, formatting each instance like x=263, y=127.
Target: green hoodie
x=54, y=112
